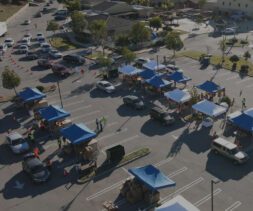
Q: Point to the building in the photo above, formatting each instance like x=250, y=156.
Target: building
x=228, y=6
x=113, y=8
x=90, y=3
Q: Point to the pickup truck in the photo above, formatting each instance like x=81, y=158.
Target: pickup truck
x=3, y=28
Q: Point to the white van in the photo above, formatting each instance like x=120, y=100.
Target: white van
x=229, y=150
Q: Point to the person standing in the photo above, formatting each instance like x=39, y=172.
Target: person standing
x=97, y=124
x=101, y=125
x=59, y=142
x=36, y=152
x=244, y=103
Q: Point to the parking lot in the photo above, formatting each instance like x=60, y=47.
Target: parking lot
x=181, y=152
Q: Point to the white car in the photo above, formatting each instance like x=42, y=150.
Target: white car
x=25, y=41
x=229, y=31
x=28, y=36
x=3, y=47
x=39, y=35
x=140, y=61
x=17, y=143
x=207, y=122
x=9, y=42
x=23, y=49
x=27, y=22
x=55, y=54
x=45, y=47
x=105, y=86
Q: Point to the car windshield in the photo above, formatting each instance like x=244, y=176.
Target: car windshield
x=234, y=151
x=37, y=169
x=17, y=141
x=136, y=100
x=107, y=85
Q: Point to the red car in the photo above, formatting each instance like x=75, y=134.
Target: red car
x=61, y=70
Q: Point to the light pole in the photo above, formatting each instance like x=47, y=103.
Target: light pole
x=213, y=181
x=59, y=90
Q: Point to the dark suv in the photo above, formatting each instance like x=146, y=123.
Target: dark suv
x=74, y=59
x=61, y=70
x=159, y=114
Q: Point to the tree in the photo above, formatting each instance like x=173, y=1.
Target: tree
x=223, y=48
x=140, y=33
x=53, y=26
x=122, y=40
x=10, y=79
x=98, y=30
x=247, y=55
x=128, y=55
x=173, y=42
x=201, y=3
x=104, y=62
x=73, y=5
x=155, y=22
x=78, y=23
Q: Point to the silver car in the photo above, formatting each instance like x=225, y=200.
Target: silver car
x=105, y=86
x=17, y=143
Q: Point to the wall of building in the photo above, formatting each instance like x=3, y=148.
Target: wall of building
x=240, y=5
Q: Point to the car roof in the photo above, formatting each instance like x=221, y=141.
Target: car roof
x=158, y=109
x=14, y=136
x=133, y=97
x=22, y=46
x=104, y=82
x=225, y=143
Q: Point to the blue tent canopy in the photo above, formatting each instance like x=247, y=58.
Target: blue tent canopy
x=147, y=74
x=179, y=96
x=53, y=113
x=210, y=87
x=158, y=82
x=31, y=94
x=152, y=65
x=129, y=70
x=152, y=177
x=209, y=108
x=77, y=133
x=178, y=77
x=243, y=120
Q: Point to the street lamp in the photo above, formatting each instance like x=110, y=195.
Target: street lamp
x=59, y=90
x=213, y=181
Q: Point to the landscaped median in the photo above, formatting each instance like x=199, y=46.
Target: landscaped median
x=217, y=59
x=7, y=10
x=111, y=166
x=62, y=43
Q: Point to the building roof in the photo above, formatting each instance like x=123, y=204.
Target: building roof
x=90, y=2
x=103, y=6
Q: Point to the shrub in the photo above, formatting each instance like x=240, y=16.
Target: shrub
x=227, y=100
x=244, y=42
x=244, y=68
x=40, y=88
x=234, y=58
x=159, y=43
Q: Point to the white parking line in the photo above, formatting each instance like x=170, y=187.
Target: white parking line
x=231, y=78
x=243, y=80
x=120, y=142
x=73, y=103
x=85, y=115
x=182, y=189
x=112, y=134
x=234, y=206
x=162, y=162
x=94, y=120
x=116, y=185
x=207, y=197
x=57, y=94
x=223, y=74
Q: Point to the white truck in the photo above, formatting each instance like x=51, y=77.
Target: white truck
x=3, y=28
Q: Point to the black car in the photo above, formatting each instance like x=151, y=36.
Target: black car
x=60, y=17
x=31, y=56
x=61, y=70
x=44, y=63
x=35, y=168
x=159, y=114
x=133, y=101
x=74, y=59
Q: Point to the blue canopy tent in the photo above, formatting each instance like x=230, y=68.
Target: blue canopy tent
x=209, y=108
x=77, y=133
x=152, y=65
x=152, y=177
x=178, y=96
x=53, y=113
x=243, y=120
x=129, y=70
x=178, y=203
x=210, y=87
x=178, y=77
x=31, y=94
x=147, y=74
x=158, y=82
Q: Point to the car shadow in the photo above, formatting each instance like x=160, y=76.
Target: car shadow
x=8, y=122
x=39, y=68
x=82, y=89
x=224, y=169
x=125, y=110
x=154, y=127
x=7, y=156
x=50, y=78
